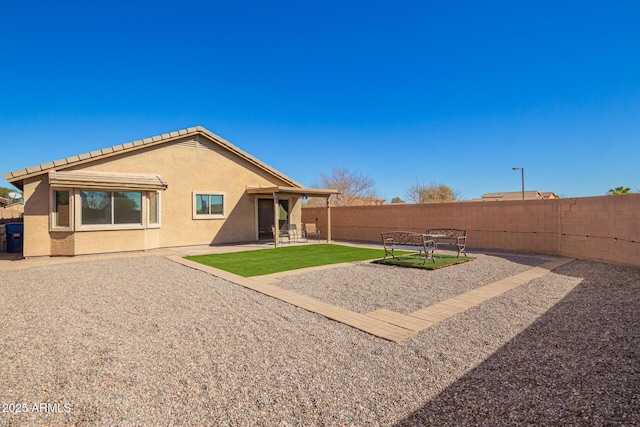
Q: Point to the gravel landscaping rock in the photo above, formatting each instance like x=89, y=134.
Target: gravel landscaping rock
x=366, y=287
x=145, y=341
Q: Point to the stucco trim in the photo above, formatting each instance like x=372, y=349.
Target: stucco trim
x=105, y=180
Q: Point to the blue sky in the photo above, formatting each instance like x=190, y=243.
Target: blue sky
x=404, y=92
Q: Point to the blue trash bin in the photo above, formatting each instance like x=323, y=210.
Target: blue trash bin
x=15, y=232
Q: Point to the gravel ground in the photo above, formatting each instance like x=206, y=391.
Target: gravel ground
x=404, y=290
x=146, y=341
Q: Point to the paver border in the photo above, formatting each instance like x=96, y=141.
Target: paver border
x=382, y=323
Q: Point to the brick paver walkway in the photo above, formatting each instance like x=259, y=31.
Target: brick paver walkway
x=384, y=323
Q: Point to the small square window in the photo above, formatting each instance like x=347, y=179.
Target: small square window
x=208, y=205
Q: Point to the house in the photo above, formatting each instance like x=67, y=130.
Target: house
x=188, y=187
x=516, y=195
x=549, y=195
x=350, y=201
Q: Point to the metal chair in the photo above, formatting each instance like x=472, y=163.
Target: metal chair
x=283, y=233
x=295, y=235
x=311, y=230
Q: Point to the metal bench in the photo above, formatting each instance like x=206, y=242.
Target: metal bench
x=393, y=239
x=449, y=237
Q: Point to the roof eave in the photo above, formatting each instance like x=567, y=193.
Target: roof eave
x=18, y=176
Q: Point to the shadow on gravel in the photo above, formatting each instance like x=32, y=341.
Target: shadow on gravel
x=523, y=258
x=579, y=364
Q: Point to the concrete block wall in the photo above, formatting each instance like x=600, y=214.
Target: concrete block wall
x=11, y=213
x=604, y=228
x=601, y=228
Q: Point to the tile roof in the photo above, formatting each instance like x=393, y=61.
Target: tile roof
x=20, y=174
x=517, y=195
x=513, y=195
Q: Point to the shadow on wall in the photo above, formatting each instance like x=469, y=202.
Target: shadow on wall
x=239, y=225
x=579, y=364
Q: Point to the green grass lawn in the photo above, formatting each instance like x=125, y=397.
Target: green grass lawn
x=268, y=261
x=414, y=261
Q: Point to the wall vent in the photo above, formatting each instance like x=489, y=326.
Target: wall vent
x=188, y=143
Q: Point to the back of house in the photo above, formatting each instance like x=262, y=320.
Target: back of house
x=187, y=187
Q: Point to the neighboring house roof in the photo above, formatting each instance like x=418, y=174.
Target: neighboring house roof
x=18, y=176
x=352, y=201
x=306, y=192
x=517, y=195
x=549, y=195
x=367, y=201
x=513, y=195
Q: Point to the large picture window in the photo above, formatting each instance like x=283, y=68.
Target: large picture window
x=208, y=205
x=92, y=209
x=107, y=207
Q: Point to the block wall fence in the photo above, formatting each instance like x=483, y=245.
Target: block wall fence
x=11, y=213
x=601, y=228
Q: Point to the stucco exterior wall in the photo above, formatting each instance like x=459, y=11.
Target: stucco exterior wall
x=191, y=164
x=36, y=218
x=604, y=228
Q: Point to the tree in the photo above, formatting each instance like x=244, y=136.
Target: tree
x=397, y=200
x=620, y=190
x=432, y=193
x=95, y=199
x=354, y=188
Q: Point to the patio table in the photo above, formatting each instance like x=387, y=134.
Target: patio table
x=295, y=236
x=435, y=238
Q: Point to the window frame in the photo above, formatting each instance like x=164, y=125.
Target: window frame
x=158, y=209
x=75, y=211
x=79, y=226
x=111, y=226
x=53, y=214
x=194, y=207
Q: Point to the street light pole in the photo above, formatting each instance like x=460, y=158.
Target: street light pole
x=522, y=170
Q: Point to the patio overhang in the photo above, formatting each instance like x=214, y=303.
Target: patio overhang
x=275, y=192
x=103, y=180
x=300, y=191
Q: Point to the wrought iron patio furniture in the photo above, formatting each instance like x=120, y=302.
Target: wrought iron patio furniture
x=453, y=237
x=393, y=239
x=283, y=233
